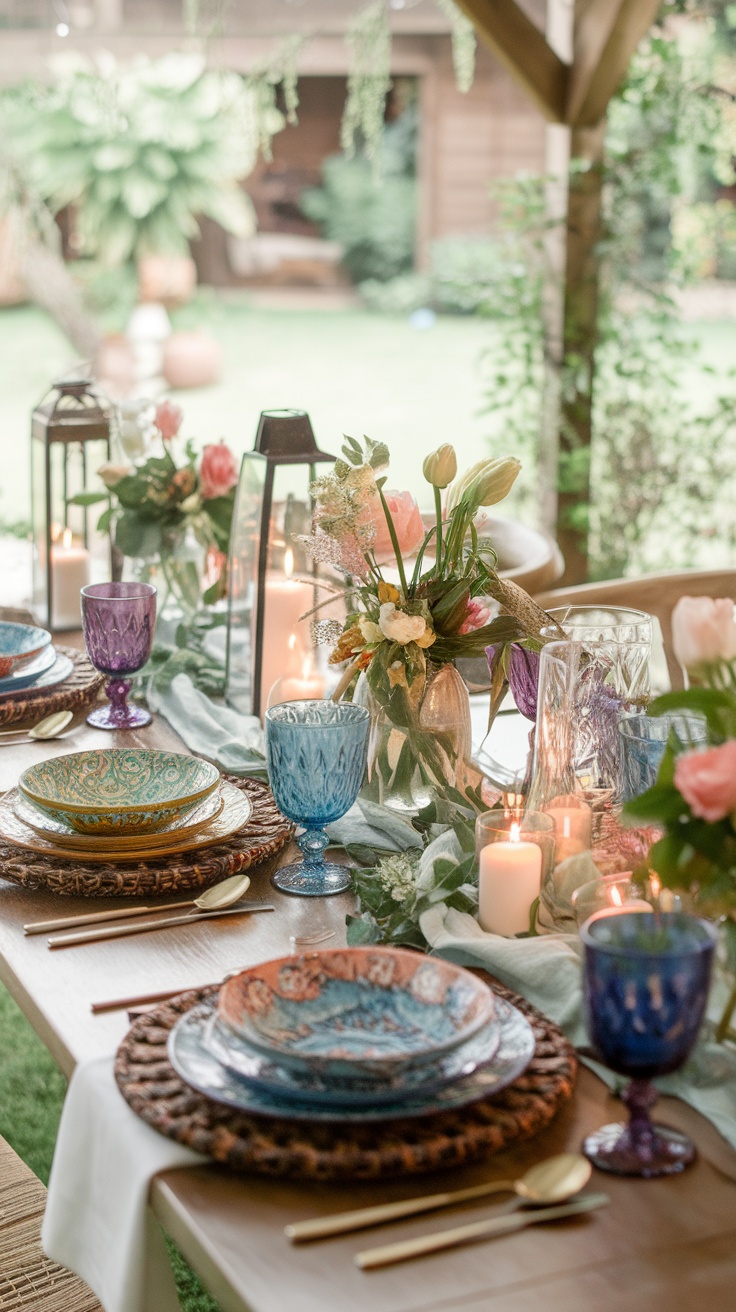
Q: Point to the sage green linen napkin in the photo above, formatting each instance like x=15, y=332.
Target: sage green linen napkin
x=547, y=971
x=234, y=742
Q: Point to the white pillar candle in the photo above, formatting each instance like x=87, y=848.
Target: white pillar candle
x=306, y=687
x=509, y=880
x=70, y=572
x=573, y=829
x=287, y=599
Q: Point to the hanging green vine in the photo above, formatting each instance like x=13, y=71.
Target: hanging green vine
x=463, y=44
x=369, y=81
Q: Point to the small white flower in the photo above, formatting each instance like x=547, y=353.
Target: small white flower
x=397, y=626
x=370, y=631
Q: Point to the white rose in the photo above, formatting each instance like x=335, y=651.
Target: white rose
x=703, y=631
x=370, y=631
x=397, y=626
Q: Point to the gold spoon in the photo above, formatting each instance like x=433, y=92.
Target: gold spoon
x=50, y=727
x=220, y=895
x=551, y=1181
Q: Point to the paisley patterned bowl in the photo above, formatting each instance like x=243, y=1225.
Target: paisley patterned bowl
x=19, y=645
x=119, y=791
x=355, y=1011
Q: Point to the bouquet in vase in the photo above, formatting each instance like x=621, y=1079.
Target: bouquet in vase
x=420, y=596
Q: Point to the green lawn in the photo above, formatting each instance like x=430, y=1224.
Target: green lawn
x=32, y=1090
x=354, y=372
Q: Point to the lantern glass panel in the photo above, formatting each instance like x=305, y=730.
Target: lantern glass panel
x=275, y=584
x=69, y=442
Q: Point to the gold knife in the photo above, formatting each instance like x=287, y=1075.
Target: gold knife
x=120, y=931
x=386, y=1254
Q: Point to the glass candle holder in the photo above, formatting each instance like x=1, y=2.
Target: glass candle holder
x=643, y=741
x=515, y=856
x=645, y=987
x=573, y=821
x=607, y=896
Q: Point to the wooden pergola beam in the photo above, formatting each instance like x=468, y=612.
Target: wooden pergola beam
x=520, y=45
x=607, y=33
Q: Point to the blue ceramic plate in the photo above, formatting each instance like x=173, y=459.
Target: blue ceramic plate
x=56, y=673
x=412, y=1082
x=29, y=673
x=19, y=645
x=196, y=1065
x=362, y=1011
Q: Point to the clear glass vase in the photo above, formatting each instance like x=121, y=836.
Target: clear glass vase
x=177, y=572
x=420, y=748
x=585, y=687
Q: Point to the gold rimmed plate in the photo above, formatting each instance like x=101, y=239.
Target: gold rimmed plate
x=59, y=832
x=235, y=813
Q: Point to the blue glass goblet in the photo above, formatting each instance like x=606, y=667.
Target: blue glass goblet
x=645, y=986
x=317, y=752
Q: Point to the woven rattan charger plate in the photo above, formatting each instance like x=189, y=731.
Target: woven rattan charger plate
x=80, y=689
x=312, y=1151
x=265, y=834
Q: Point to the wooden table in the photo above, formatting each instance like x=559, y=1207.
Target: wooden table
x=661, y=1246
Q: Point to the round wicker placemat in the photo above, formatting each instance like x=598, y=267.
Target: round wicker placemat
x=266, y=832
x=78, y=690
x=341, y=1152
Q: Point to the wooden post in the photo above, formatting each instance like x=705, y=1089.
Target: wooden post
x=580, y=339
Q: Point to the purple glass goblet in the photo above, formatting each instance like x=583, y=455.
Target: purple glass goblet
x=645, y=986
x=119, y=620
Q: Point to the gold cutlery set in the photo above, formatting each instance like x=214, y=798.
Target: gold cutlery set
x=550, y=1191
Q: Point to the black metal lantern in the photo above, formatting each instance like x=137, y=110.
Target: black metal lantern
x=70, y=440
x=268, y=592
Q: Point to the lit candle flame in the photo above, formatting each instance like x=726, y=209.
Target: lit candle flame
x=616, y=897
x=515, y=832
x=66, y=538
x=656, y=885
x=292, y=641
x=288, y=562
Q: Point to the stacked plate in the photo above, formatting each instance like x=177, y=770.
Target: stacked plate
x=352, y=1034
x=121, y=805
x=29, y=661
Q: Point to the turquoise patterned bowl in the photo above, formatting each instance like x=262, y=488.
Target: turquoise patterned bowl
x=119, y=791
x=19, y=645
x=346, y=1012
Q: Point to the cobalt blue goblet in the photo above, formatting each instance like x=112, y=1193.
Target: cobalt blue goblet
x=645, y=986
x=317, y=753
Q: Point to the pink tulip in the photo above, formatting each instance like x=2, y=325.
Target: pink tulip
x=218, y=471
x=476, y=616
x=407, y=523
x=707, y=781
x=168, y=419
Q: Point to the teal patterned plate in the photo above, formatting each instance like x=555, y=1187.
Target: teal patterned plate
x=196, y=1065
x=119, y=791
x=348, y=1012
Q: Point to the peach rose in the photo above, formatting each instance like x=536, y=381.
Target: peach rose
x=168, y=419
x=707, y=781
x=407, y=523
x=703, y=631
x=218, y=471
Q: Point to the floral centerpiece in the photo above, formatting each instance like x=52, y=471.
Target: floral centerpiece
x=419, y=597
x=171, y=512
x=694, y=797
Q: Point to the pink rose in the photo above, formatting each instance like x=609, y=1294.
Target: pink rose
x=407, y=523
x=707, y=781
x=218, y=471
x=703, y=631
x=168, y=419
